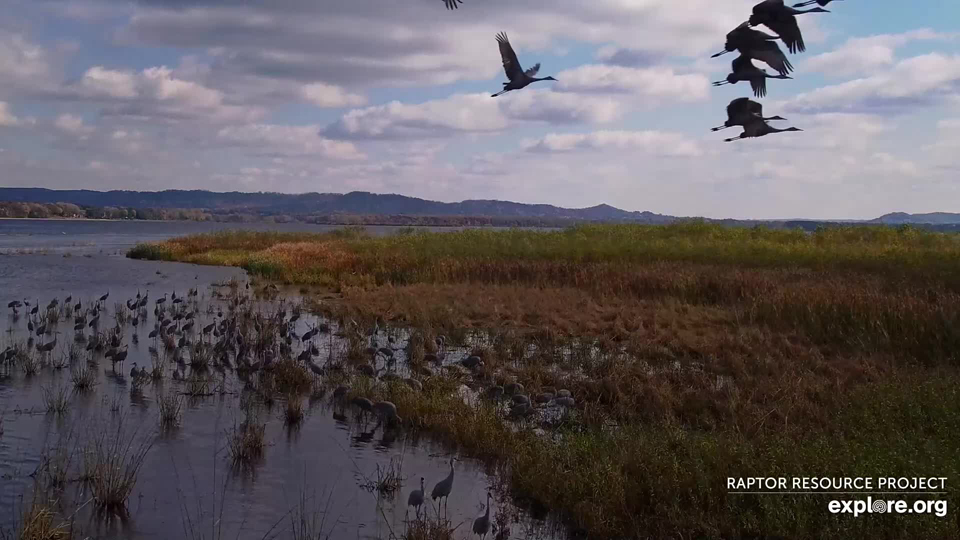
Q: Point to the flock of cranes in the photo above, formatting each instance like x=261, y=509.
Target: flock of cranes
x=751, y=44
x=756, y=45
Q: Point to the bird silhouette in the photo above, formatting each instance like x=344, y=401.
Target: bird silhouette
x=759, y=128
x=511, y=66
x=756, y=44
x=416, y=498
x=782, y=19
x=744, y=70
x=821, y=3
x=481, y=525
x=442, y=489
x=742, y=111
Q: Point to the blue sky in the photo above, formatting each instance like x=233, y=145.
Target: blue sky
x=393, y=97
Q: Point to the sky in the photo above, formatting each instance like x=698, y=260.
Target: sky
x=393, y=96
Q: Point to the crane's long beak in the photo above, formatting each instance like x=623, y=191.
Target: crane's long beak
x=721, y=53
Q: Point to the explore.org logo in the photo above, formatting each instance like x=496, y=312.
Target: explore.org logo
x=871, y=506
x=881, y=495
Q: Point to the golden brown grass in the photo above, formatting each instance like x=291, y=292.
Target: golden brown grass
x=711, y=352
x=39, y=522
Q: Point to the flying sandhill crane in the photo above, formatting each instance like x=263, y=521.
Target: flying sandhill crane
x=442, y=489
x=782, y=20
x=481, y=525
x=518, y=77
x=416, y=498
x=744, y=70
x=452, y=4
x=743, y=111
x=758, y=45
x=821, y=3
x=759, y=128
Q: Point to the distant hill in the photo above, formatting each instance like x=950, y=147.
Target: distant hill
x=356, y=202
x=363, y=208
x=934, y=218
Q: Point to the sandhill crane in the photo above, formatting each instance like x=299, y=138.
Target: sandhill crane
x=782, y=20
x=744, y=70
x=481, y=525
x=386, y=410
x=821, y=3
x=759, y=128
x=518, y=77
x=742, y=111
x=442, y=489
x=416, y=498
x=756, y=44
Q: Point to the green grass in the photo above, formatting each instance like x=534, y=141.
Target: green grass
x=841, y=348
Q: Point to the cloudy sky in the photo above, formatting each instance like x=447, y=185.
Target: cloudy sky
x=393, y=96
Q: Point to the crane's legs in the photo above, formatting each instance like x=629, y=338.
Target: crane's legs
x=719, y=128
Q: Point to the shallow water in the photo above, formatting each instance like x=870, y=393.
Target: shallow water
x=186, y=477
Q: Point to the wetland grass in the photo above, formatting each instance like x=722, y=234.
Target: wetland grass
x=170, y=407
x=114, y=459
x=293, y=412
x=38, y=521
x=83, y=378
x=246, y=442
x=694, y=352
x=56, y=400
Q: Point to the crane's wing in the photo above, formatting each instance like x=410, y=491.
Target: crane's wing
x=768, y=6
x=452, y=4
x=736, y=107
x=754, y=107
x=741, y=63
x=789, y=31
x=532, y=72
x=511, y=66
x=769, y=53
x=759, y=85
x=755, y=127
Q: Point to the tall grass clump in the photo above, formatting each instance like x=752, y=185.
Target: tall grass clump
x=293, y=413
x=307, y=522
x=114, y=459
x=246, y=441
x=56, y=400
x=170, y=406
x=83, y=378
x=38, y=521
x=430, y=528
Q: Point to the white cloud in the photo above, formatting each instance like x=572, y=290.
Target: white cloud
x=657, y=84
x=278, y=140
x=917, y=81
x=25, y=67
x=99, y=81
x=326, y=95
x=470, y=113
x=155, y=93
x=73, y=125
x=864, y=55
x=7, y=119
x=653, y=142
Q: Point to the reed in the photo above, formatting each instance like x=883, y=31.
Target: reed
x=114, y=461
